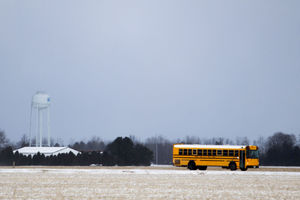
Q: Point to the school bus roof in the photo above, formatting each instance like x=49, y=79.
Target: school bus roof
x=209, y=146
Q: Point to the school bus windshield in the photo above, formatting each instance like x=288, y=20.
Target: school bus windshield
x=252, y=154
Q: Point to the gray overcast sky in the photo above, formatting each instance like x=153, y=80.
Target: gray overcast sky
x=174, y=68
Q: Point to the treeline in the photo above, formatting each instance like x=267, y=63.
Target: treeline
x=279, y=149
x=121, y=152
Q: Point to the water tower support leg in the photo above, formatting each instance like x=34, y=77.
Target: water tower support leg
x=48, y=125
x=41, y=129
x=37, y=127
x=30, y=126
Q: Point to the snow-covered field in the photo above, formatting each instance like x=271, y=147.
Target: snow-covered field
x=146, y=183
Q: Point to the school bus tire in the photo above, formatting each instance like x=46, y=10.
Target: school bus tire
x=192, y=165
x=244, y=169
x=202, y=167
x=232, y=166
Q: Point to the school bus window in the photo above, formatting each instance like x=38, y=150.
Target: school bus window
x=184, y=151
x=190, y=151
x=199, y=152
x=230, y=152
x=209, y=152
x=194, y=151
x=204, y=152
x=225, y=152
x=180, y=151
x=252, y=154
x=214, y=152
x=219, y=152
x=236, y=153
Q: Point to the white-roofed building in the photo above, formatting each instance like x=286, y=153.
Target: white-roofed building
x=47, y=151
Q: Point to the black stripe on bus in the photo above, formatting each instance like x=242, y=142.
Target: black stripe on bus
x=206, y=157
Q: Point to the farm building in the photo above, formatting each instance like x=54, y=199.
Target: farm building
x=47, y=151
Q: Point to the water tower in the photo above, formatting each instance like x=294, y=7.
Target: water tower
x=40, y=110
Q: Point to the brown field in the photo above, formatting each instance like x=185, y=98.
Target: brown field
x=165, y=182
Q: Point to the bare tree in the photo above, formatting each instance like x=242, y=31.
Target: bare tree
x=209, y=141
x=161, y=148
x=281, y=139
x=23, y=142
x=94, y=144
x=242, y=141
x=134, y=139
x=4, y=142
x=261, y=143
x=59, y=142
x=281, y=149
x=228, y=141
x=298, y=140
x=218, y=141
x=192, y=140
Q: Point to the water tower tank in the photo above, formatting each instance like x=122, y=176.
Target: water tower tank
x=41, y=100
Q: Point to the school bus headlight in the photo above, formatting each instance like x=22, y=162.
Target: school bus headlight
x=177, y=162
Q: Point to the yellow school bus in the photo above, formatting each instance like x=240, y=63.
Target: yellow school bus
x=194, y=156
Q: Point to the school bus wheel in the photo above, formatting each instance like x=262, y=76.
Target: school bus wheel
x=202, y=167
x=192, y=165
x=244, y=169
x=232, y=166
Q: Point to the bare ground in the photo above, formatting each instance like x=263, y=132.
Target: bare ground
x=160, y=167
x=164, y=182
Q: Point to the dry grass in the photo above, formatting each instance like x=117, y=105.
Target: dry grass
x=216, y=183
x=163, y=167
